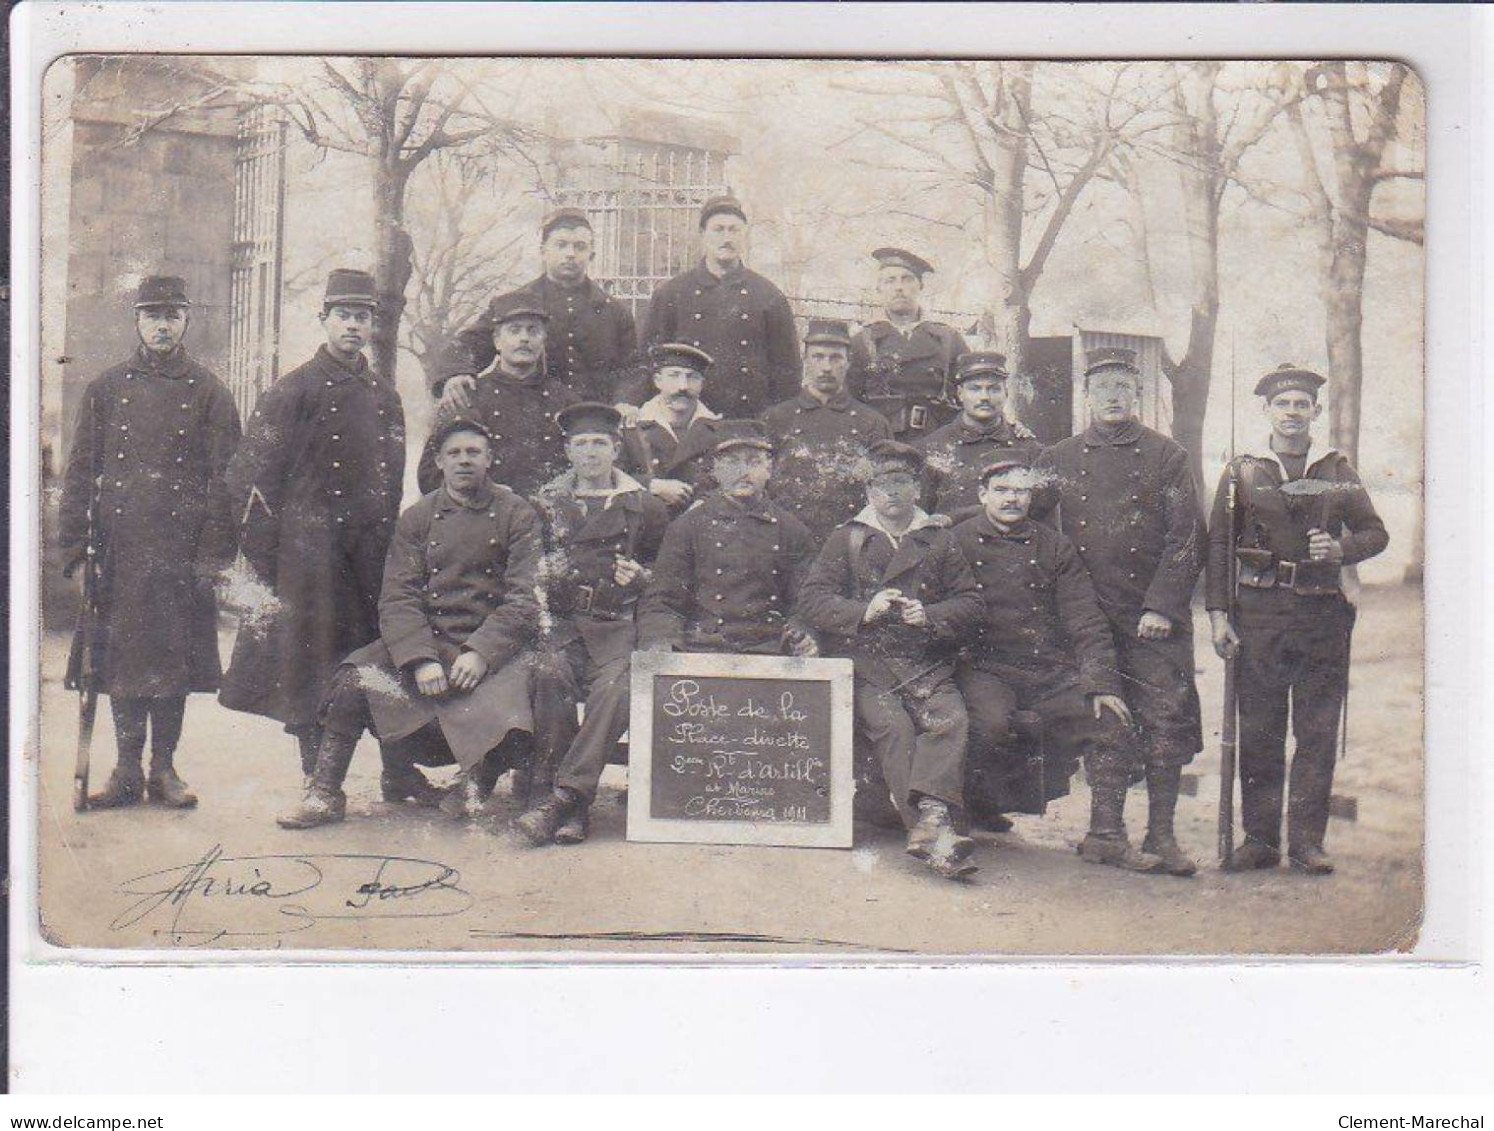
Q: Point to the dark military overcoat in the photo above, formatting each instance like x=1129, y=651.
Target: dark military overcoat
x=744, y=322
x=819, y=464
x=316, y=489
x=896, y=372
x=959, y=452
x=152, y=441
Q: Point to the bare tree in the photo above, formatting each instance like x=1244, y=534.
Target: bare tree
x=1360, y=116
x=983, y=125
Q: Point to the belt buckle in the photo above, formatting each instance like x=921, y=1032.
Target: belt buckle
x=1286, y=575
x=918, y=416
x=586, y=595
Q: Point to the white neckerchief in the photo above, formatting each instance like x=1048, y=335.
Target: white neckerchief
x=653, y=410
x=921, y=518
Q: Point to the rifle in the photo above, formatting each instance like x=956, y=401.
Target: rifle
x=87, y=675
x=1228, y=729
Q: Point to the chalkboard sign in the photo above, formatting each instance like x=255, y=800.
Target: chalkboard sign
x=729, y=749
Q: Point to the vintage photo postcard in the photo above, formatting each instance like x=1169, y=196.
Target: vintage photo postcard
x=666, y=508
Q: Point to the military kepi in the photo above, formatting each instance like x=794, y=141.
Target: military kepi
x=564, y=218
x=890, y=457
x=457, y=424
x=899, y=257
x=1288, y=376
x=589, y=418
x=1002, y=466
x=827, y=332
x=515, y=304
x=980, y=363
x=347, y=287
x=678, y=353
x=719, y=204
x=731, y=434
x=161, y=290
x=1110, y=357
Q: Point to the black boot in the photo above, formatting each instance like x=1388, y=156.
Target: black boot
x=308, y=739
x=933, y=839
x=126, y=785
x=163, y=787
x=401, y=781
x=1106, y=842
x=1162, y=783
x=324, y=802
x=539, y=824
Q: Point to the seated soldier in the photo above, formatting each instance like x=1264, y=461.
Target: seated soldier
x=1046, y=648
x=674, y=433
x=892, y=591
x=602, y=532
x=729, y=570
x=456, y=615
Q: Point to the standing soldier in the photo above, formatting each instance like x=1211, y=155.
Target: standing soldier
x=675, y=433
x=1047, y=648
x=316, y=490
x=602, y=532
x=514, y=401
x=892, y=591
x=456, y=615
x=1297, y=521
x=732, y=313
x=591, y=341
x=143, y=497
x=1131, y=509
x=822, y=436
x=958, y=452
x=729, y=570
x=902, y=364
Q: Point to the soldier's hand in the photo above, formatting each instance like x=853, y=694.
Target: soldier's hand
x=467, y=671
x=881, y=604
x=672, y=491
x=626, y=571
x=1022, y=432
x=914, y=613
x=1324, y=547
x=456, y=394
x=430, y=679
x=1115, y=705
x=1153, y=626
x=628, y=412
x=803, y=644
x=1226, y=641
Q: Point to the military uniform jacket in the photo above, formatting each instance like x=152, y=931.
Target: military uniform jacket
x=591, y=343
x=744, y=323
x=1277, y=521
x=820, y=457
x=316, y=485
x=519, y=414
x=958, y=452
x=1129, y=505
x=582, y=543
x=653, y=449
x=1043, y=630
x=727, y=577
x=926, y=565
x=150, y=447
x=885, y=362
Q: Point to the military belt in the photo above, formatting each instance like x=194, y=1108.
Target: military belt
x=1306, y=578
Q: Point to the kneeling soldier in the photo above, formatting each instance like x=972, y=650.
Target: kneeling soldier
x=602, y=532
x=729, y=570
x=892, y=591
x=1297, y=521
x=1046, y=648
x=456, y=614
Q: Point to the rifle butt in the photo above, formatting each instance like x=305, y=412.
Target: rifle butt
x=1228, y=759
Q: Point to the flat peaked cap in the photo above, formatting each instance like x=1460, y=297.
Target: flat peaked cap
x=827, y=332
x=515, y=304
x=564, y=218
x=347, y=287
x=161, y=290
x=731, y=434
x=1002, y=465
x=888, y=457
x=898, y=257
x=444, y=431
x=1288, y=376
x=1110, y=357
x=719, y=204
x=678, y=353
x=980, y=363
x=589, y=418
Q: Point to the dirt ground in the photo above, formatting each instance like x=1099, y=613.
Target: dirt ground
x=391, y=877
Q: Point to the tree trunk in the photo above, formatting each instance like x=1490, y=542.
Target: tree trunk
x=392, y=265
x=1011, y=313
x=1343, y=301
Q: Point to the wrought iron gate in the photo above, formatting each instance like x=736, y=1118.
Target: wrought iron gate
x=258, y=256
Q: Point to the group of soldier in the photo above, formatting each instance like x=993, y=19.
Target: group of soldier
x=1011, y=610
